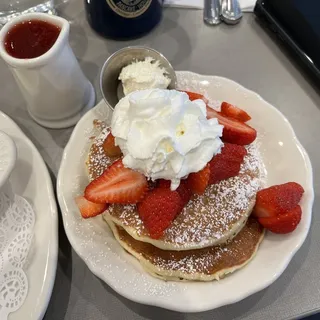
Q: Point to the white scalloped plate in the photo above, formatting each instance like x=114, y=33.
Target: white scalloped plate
x=8, y=157
x=285, y=160
x=30, y=179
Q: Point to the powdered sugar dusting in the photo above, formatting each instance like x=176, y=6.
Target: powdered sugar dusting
x=224, y=207
x=212, y=218
x=209, y=261
x=200, y=87
x=97, y=161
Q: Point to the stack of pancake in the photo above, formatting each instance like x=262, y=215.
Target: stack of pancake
x=213, y=235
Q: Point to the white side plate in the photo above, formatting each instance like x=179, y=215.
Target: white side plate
x=285, y=160
x=30, y=179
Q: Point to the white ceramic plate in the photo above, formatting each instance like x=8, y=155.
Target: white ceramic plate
x=30, y=179
x=285, y=160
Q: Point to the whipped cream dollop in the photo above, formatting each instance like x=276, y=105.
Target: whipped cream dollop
x=164, y=135
x=146, y=74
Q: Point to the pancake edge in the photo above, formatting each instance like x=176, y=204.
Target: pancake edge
x=227, y=236
x=176, y=275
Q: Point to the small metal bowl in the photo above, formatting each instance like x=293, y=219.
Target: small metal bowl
x=109, y=82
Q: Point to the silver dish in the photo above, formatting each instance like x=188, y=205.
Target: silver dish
x=110, y=85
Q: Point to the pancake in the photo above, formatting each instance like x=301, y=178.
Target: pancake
x=211, y=263
x=210, y=219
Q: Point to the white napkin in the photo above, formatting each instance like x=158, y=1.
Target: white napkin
x=246, y=5
x=17, y=220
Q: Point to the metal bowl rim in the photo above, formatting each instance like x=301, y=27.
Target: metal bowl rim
x=120, y=51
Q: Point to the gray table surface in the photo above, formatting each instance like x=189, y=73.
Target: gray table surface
x=244, y=53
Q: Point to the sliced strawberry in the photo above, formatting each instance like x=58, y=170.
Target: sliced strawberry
x=89, y=209
x=234, y=112
x=284, y=223
x=195, y=96
x=198, y=181
x=117, y=184
x=109, y=147
x=233, y=131
x=277, y=200
x=158, y=209
x=221, y=169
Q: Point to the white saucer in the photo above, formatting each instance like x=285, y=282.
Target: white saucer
x=31, y=180
x=285, y=160
x=8, y=157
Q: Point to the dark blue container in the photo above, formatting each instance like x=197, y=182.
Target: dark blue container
x=123, y=19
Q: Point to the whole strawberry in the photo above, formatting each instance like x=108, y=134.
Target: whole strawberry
x=158, y=209
x=183, y=190
x=198, y=181
x=277, y=199
x=227, y=163
x=283, y=223
x=277, y=207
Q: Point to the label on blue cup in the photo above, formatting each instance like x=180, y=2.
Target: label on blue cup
x=129, y=8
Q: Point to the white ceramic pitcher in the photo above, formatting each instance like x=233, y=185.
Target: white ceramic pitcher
x=54, y=86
